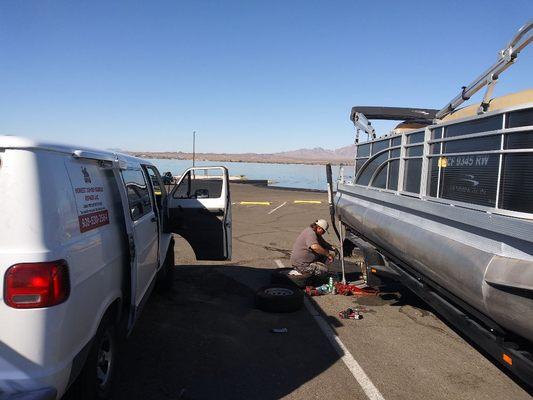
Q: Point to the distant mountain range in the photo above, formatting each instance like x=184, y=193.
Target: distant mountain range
x=318, y=155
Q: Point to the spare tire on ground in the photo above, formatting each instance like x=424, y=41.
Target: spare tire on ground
x=279, y=298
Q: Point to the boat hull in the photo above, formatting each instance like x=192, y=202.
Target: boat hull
x=485, y=260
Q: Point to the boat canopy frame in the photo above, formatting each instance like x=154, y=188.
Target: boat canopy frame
x=361, y=115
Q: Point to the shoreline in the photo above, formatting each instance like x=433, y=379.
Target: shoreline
x=261, y=161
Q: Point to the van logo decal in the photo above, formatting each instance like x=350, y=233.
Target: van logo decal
x=86, y=176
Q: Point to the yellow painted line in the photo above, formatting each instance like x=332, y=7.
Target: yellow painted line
x=307, y=202
x=255, y=203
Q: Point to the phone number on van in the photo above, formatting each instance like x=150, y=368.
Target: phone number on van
x=93, y=220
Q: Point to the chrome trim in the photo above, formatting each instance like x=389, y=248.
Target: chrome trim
x=495, y=132
x=475, y=153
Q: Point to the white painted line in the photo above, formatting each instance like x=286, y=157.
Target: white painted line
x=359, y=374
x=277, y=208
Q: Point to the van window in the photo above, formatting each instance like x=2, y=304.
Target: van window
x=158, y=188
x=138, y=195
x=200, y=184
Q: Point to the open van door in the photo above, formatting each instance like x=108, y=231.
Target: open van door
x=199, y=210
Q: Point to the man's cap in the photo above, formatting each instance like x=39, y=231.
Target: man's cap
x=323, y=224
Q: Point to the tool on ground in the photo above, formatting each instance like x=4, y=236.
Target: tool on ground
x=349, y=289
x=311, y=291
x=350, y=313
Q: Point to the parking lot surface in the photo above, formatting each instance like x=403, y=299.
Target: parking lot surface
x=205, y=339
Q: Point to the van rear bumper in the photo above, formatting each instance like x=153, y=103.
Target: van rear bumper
x=41, y=394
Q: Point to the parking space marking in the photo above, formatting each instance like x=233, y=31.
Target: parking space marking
x=277, y=208
x=358, y=373
x=307, y=202
x=255, y=203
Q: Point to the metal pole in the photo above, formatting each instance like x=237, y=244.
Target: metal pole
x=342, y=252
x=193, y=147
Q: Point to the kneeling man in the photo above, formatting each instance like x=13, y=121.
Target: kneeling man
x=311, y=251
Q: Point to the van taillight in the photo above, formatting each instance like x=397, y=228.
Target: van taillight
x=35, y=285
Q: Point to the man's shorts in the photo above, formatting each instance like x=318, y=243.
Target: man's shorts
x=316, y=269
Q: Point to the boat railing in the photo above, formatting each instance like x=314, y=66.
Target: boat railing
x=483, y=162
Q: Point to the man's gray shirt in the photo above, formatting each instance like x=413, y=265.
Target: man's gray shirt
x=302, y=255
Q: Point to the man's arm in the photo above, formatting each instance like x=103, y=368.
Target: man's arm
x=325, y=244
x=319, y=249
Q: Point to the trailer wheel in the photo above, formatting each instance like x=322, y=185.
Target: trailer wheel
x=279, y=298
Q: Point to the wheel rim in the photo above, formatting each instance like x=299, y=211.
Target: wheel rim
x=276, y=291
x=105, y=360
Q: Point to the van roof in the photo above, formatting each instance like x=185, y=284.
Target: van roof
x=17, y=142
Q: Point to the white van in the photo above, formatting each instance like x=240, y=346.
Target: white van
x=84, y=236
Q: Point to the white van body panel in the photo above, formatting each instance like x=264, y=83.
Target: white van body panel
x=48, y=230
x=59, y=202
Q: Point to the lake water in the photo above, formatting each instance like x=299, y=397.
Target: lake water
x=283, y=175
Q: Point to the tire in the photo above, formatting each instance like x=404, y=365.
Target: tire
x=279, y=298
x=97, y=377
x=165, y=277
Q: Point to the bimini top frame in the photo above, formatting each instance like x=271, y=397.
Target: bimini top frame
x=506, y=57
x=361, y=116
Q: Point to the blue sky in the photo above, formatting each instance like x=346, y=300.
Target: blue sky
x=258, y=76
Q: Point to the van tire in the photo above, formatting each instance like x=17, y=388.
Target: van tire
x=104, y=350
x=165, y=277
x=279, y=298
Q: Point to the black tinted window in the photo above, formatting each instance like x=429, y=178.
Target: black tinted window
x=415, y=138
x=437, y=133
x=519, y=140
x=369, y=170
x=520, y=118
x=470, y=179
x=138, y=195
x=433, y=178
x=359, y=164
x=396, y=141
x=395, y=153
x=378, y=146
x=380, y=181
x=414, y=151
x=363, y=150
x=394, y=168
x=413, y=171
x=479, y=125
x=516, y=191
x=476, y=144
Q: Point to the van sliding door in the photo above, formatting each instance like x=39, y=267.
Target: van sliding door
x=200, y=212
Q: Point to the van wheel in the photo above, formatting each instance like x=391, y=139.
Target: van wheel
x=97, y=376
x=165, y=278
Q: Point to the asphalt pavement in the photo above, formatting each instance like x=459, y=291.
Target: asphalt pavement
x=205, y=339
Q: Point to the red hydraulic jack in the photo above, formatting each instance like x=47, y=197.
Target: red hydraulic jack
x=347, y=289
